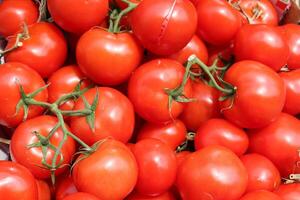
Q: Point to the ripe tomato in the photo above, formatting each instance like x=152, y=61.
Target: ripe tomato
x=146, y=90
x=32, y=157
x=218, y=22
x=81, y=196
x=289, y=191
x=181, y=156
x=16, y=182
x=164, y=196
x=225, y=52
x=110, y=173
x=172, y=133
x=12, y=75
x=262, y=43
x=154, y=159
x=161, y=25
x=120, y=53
x=212, y=173
x=114, y=116
x=262, y=173
x=283, y=151
x=261, y=195
x=13, y=13
x=44, y=192
x=44, y=51
x=78, y=16
x=259, y=98
x=223, y=133
x=64, y=187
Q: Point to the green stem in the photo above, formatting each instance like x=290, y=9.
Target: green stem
x=76, y=113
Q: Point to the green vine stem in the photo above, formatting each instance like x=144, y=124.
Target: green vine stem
x=42, y=10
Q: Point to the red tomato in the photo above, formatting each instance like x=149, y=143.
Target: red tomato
x=146, y=90
x=259, y=98
x=292, y=84
x=218, y=22
x=164, y=26
x=263, y=43
x=261, y=195
x=114, y=116
x=173, y=133
x=120, y=54
x=225, y=52
x=44, y=51
x=13, y=13
x=43, y=190
x=155, y=159
x=164, y=196
x=110, y=173
x=64, y=187
x=289, y=191
x=78, y=16
x=12, y=75
x=283, y=151
x=32, y=157
x=223, y=133
x=16, y=182
x=181, y=156
x=214, y=172
x=81, y=196
x=262, y=173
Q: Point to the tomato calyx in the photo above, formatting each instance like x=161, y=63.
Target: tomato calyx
x=190, y=136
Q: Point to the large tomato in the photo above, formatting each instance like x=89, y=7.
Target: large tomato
x=14, y=13
x=16, y=182
x=78, y=16
x=108, y=58
x=283, y=151
x=262, y=43
x=289, y=191
x=12, y=75
x=64, y=187
x=259, y=98
x=110, y=173
x=164, y=26
x=214, y=172
x=81, y=196
x=114, y=116
x=261, y=195
x=31, y=157
x=45, y=49
x=164, y=196
x=147, y=86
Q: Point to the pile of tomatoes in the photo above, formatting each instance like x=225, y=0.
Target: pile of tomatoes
x=148, y=100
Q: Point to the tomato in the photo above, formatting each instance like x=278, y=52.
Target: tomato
x=10, y=92
x=114, y=116
x=289, y=191
x=64, y=81
x=110, y=173
x=164, y=196
x=225, y=52
x=283, y=151
x=259, y=98
x=43, y=190
x=218, y=22
x=16, y=182
x=78, y=17
x=120, y=54
x=32, y=157
x=80, y=196
x=164, y=26
x=261, y=195
x=213, y=172
x=173, y=133
x=181, y=156
x=262, y=173
x=224, y=133
x=146, y=90
x=154, y=159
x=13, y=13
x=64, y=187
x=262, y=43
x=292, y=84
x=44, y=51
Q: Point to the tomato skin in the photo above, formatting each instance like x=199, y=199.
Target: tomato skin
x=16, y=182
x=80, y=196
x=253, y=108
x=257, y=42
x=146, y=90
x=10, y=92
x=43, y=190
x=156, y=24
x=164, y=196
x=223, y=133
x=32, y=157
x=212, y=17
x=289, y=191
x=173, y=133
x=154, y=159
x=78, y=17
x=45, y=51
x=261, y=195
x=211, y=173
x=116, y=169
x=114, y=116
x=64, y=187
x=283, y=150
x=13, y=13
x=121, y=54
x=181, y=156
x=262, y=173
